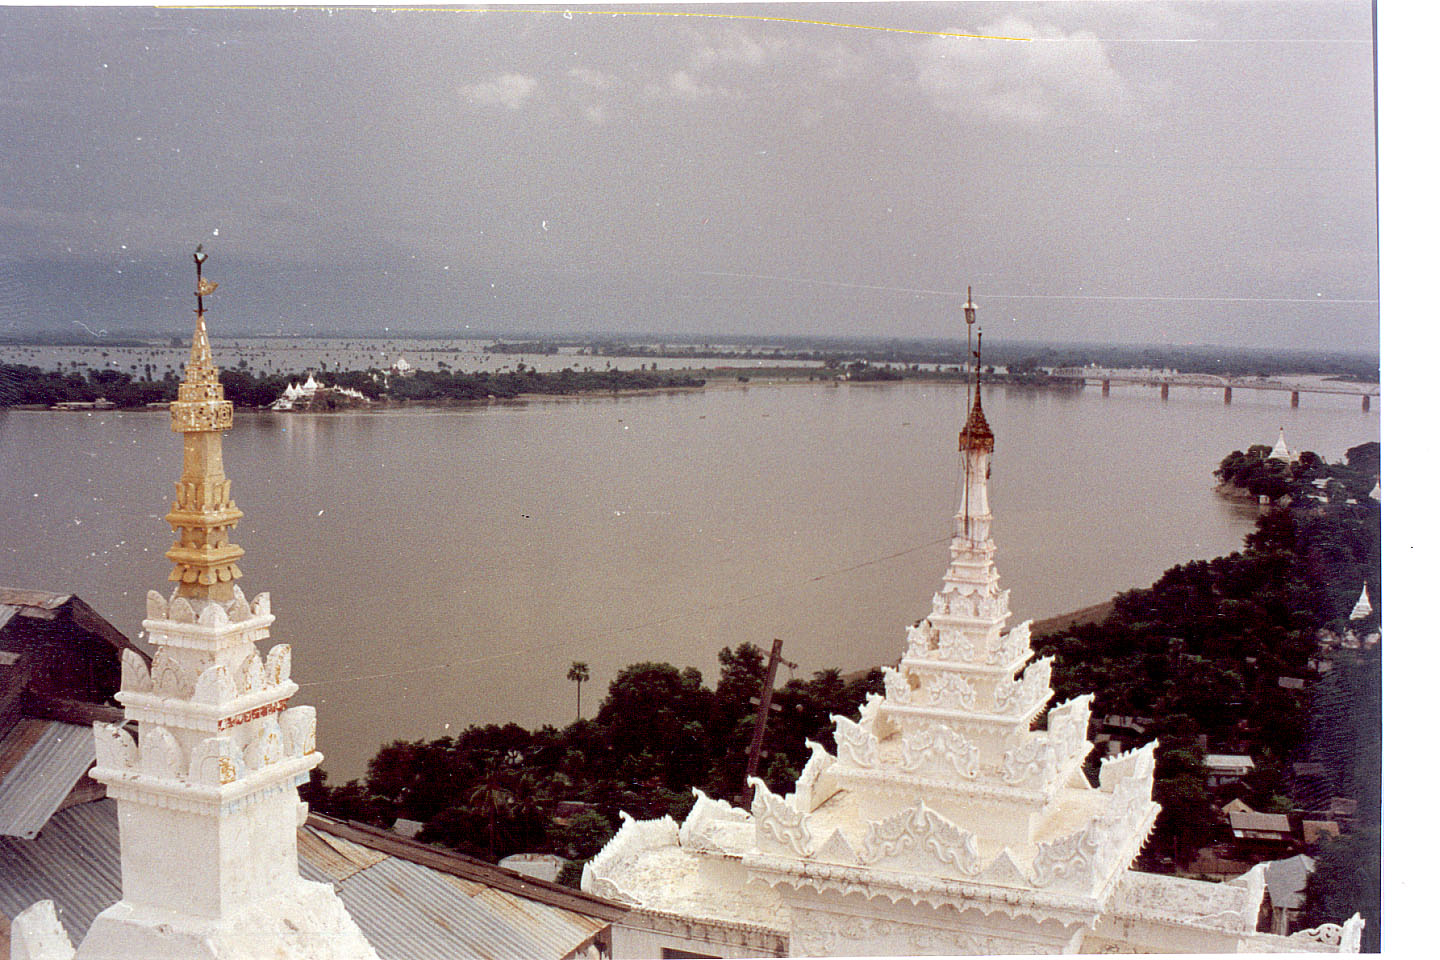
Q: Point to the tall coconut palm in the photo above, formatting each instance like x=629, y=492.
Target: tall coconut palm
x=579, y=673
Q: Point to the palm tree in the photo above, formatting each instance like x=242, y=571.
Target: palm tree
x=579, y=673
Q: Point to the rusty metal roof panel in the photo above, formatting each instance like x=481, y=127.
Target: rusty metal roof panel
x=75, y=861
x=334, y=857
x=33, y=789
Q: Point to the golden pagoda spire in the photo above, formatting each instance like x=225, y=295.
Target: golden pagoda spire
x=203, y=513
x=976, y=434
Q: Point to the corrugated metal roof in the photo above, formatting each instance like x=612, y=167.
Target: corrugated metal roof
x=43, y=777
x=335, y=857
x=1269, y=822
x=410, y=911
x=75, y=862
x=407, y=910
x=6, y=612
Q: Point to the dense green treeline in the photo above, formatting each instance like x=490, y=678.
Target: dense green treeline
x=1202, y=653
x=660, y=730
x=29, y=385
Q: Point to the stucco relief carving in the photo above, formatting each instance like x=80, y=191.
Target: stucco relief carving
x=181, y=611
x=1068, y=725
x=170, y=677
x=277, y=664
x=873, y=717
x=115, y=749
x=1018, y=697
x=917, y=640
x=1009, y=646
x=214, y=687
x=1327, y=934
x=1068, y=862
x=213, y=615
x=297, y=725
x=216, y=762
x=134, y=674
x=952, y=691
x=252, y=674
x=897, y=686
x=1031, y=765
x=160, y=754
x=956, y=645
x=895, y=840
x=937, y=750
x=777, y=820
x=267, y=747
x=854, y=745
x=820, y=933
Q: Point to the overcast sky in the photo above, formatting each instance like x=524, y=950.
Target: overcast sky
x=1132, y=172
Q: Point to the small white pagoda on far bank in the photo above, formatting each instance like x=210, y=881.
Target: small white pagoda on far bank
x=945, y=823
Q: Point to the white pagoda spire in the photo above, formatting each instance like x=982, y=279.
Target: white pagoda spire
x=946, y=822
x=1362, y=608
x=1280, y=451
x=207, y=794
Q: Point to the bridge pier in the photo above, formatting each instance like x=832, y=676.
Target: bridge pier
x=1164, y=391
x=1105, y=390
x=1365, y=403
x=1229, y=393
x=1294, y=398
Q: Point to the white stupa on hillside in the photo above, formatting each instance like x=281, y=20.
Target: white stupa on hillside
x=1362, y=608
x=945, y=823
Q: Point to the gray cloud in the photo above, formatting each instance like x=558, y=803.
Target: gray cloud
x=386, y=169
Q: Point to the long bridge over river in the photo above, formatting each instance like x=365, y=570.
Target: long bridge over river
x=1155, y=378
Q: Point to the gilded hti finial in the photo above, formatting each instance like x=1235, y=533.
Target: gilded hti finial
x=976, y=434
x=203, y=513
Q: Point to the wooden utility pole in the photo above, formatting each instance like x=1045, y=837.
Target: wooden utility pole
x=762, y=715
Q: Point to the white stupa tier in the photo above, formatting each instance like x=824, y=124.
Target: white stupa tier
x=943, y=824
x=206, y=794
x=1280, y=451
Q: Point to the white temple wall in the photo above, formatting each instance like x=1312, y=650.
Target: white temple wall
x=852, y=926
x=1112, y=935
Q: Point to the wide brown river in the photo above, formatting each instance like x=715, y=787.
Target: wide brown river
x=438, y=568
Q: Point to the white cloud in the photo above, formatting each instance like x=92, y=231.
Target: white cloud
x=1053, y=77
x=507, y=90
x=594, y=79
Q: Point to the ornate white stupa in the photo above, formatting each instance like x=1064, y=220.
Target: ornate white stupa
x=207, y=796
x=945, y=823
x=1280, y=451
